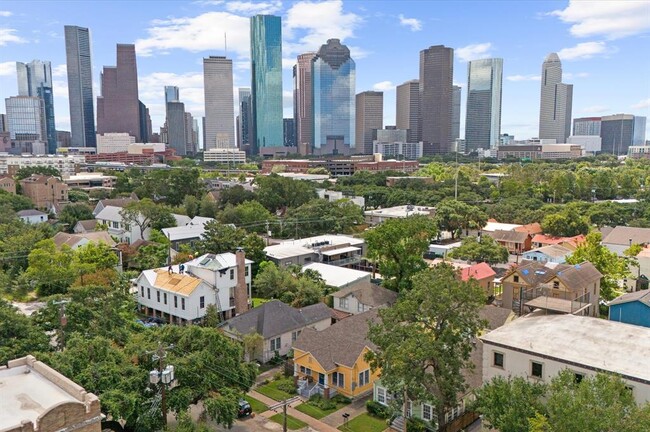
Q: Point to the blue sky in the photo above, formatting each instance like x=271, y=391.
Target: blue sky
x=604, y=46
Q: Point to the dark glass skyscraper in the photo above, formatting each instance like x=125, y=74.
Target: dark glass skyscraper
x=483, y=115
x=80, y=86
x=266, y=85
x=333, y=84
x=244, y=130
x=35, y=79
x=436, y=108
x=118, y=107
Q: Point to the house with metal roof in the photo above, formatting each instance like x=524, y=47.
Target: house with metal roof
x=279, y=325
x=554, y=253
x=188, y=233
x=631, y=308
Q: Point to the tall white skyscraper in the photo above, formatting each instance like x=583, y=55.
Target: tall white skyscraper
x=483, y=114
x=455, y=115
x=556, y=102
x=219, y=100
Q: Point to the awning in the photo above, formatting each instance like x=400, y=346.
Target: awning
x=340, y=250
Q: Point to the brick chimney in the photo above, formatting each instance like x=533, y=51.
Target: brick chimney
x=241, y=291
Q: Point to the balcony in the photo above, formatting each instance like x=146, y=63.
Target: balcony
x=355, y=259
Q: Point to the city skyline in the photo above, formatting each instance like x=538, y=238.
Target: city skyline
x=591, y=57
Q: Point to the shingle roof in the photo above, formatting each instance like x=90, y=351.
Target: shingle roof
x=275, y=318
x=574, y=277
x=340, y=344
x=88, y=224
x=495, y=316
x=508, y=236
x=369, y=295
x=532, y=228
x=641, y=296
x=477, y=271
x=579, y=275
x=116, y=202
x=72, y=240
x=554, y=250
x=548, y=240
x=25, y=213
x=621, y=235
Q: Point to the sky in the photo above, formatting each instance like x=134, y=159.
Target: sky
x=604, y=47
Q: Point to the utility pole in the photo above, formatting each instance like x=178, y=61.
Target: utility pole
x=284, y=405
x=163, y=376
x=63, y=320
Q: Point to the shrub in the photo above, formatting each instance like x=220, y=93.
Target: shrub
x=416, y=425
x=340, y=399
x=376, y=409
x=287, y=386
x=322, y=403
x=278, y=376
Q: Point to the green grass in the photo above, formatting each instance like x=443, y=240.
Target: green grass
x=364, y=423
x=316, y=412
x=256, y=405
x=292, y=422
x=259, y=301
x=271, y=390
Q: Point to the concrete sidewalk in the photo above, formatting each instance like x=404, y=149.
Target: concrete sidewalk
x=311, y=422
x=358, y=406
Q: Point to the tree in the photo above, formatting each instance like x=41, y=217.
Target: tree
x=235, y=195
x=250, y=214
x=289, y=285
x=507, y=404
x=191, y=204
x=14, y=202
x=424, y=341
x=25, y=172
x=50, y=270
x=99, y=255
x=484, y=250
x=147, y=214
x=568, y=223
x=457, y=216
x=611, y=266
x=320, y=216
x=18, y=336
x=253, y=344
x=396, y=247
x=219, y=238
x=211, y=318
x=276, y=192
x=73, y=213
x=207, y=208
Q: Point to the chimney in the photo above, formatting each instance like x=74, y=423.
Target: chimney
x=241, y=291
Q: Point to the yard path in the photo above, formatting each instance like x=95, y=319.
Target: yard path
x=358, y=406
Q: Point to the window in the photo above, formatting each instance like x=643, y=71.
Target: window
x=302, y=369
x=158, y=296
x=276, y=344
x=165, y=298
x=149, y=293
x=116, y=225
x=427, y=412
x=516, y=279
x=338, y=379
x=498, y=359
x=294, y=335
x=343, y=303
x=556, y=285
x=232, y=274
x=201, y=302
x=246, y=270
x=359, y=307
x=175, y=301
x=536, y=369
x=183, y=303
x=141, y=291
x=364, y=377
x=381, y=395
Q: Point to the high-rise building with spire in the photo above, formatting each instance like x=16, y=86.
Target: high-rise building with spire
x=556, y=101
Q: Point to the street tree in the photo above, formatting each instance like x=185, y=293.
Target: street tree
x=147, y=214
x=456, y=216
x=250, y=214
x=567, y=223
x=73, y=213
x=480, y=249
x=396, y=247
x=18, y=335
x=320, y=216
x=424, y=341
x=276, y=192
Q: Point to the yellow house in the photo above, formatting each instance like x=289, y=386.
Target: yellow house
x=331, y=361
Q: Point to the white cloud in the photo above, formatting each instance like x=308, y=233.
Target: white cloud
x=60, y=89
x=570, y=75
x=288, y=63
x=595, y=109
x=60, y=71
x=201, y=33
x=5, y=13
x=251, y=8
x=383, y=86
x=474, y=51
x=7, y=68
x=583, y=50
x=209, y=2
x=610, y=19
x=645, y=103
x=413, y=23
x=7, y=36
x=309, y=24
x=517, y=78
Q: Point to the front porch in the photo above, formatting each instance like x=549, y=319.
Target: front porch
x=308, y=389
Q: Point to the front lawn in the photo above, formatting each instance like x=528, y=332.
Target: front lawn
x=276, y=389
x=292, y=422
x=317, y=412
x=256, y=405
x=364, y=423
x=259, y=301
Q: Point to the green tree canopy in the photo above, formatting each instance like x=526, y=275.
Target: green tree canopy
x=567, y=223
x=289, y=285
x=25, y=172
x=320, y=216
x=73, y=213
x=425, y=340
x=486, y=250
x=147, y=214
x=219, y=238
x=250, y=214
x=397, y=245
x=276, y=192
x=18, y=336
x=457, y=216
x=50, y=270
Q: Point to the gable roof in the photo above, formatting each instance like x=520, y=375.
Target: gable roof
x=553, y=251
x=548, y=240
x=532, y=228
x=31, y=212
x=495, y=316
x=339, y=344
x=183, y=284
x=574, y=277
x=508, y=236
x=117, y=202
x=578, y=275
x=274, y=318
x=72, y=240
x=337, y=276
x=88, y=224
x=621, y=235
x=640, y=296
x=369, y=295
x=477, y=271
x=110, y=213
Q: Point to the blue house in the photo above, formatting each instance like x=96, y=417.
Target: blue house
x=631, y=308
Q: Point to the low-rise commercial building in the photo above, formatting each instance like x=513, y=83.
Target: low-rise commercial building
x=224, y=156
x=8, y=184
x=90, y=181
x=66, y=165
x=540, y=151
x=44, y=191
x=334, y=249
x=375, y=217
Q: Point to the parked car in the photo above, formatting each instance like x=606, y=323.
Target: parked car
x=146, y=323
x=155, y=320
x=244, y=408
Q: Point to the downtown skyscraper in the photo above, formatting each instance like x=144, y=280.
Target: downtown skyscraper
x=219, y=100
x=118, y=107
x=244, y=123
x=556, y=101
x=80, y=86
x=35, y=80
x=266, y=83
x=369, y=119
x=436, y=107
x=333, y=90
x=407, y=109
x=455, y=112
x=483, y=114
x=302, y=102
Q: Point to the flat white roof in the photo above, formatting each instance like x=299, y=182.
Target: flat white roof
x=593, y=342
x=332, y=239
x=282, y=251
x=494, y=226
x=340, y=250
x=184, y=232
x=400, y=211
x=26, y=394
x=337, y=276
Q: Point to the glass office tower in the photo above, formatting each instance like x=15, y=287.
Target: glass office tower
x=266, y=83
x=334, y=105
x=80, y=86
x=35, y=80
x=483, y=114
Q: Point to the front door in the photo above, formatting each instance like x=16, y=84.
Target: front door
x=321, y=379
